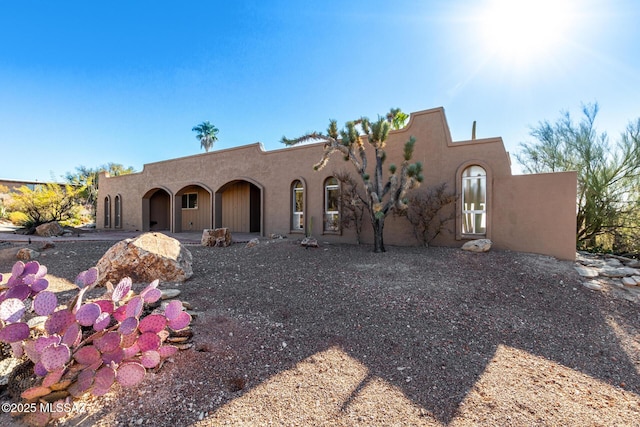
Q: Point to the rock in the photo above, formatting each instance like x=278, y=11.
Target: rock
x=629, y=281
x=593, y=285
x=618, y=272
x=613, y=262
x=26, y=254
x=309, y=242
x=480, y=245
x=274, y=236
x=634, y=263
x=169, y=293
x=47, y=244
x=37, y=323
x=216, y=237
x=637, y=279
x=49, y=229
x=586, y=271
x=253, y=242
x=145, y=258
x=6, y=368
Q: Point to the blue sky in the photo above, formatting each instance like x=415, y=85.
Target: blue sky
x=91, y=82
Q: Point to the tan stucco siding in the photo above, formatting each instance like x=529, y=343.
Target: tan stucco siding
x=521, y=214
x=536, y=213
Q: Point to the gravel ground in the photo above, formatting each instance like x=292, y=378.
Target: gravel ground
x=341, y=336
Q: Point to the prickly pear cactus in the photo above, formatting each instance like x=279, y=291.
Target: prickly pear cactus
x=87, y=346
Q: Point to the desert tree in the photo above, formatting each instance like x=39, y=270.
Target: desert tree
x=207, y=134
x=86, y=179
x=608, y=174
x=429, y=210
x=47, y=203
x=383, y=196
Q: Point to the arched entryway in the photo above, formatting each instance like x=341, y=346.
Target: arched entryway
x=193, y=208
x=239, y=206
x=156, y=210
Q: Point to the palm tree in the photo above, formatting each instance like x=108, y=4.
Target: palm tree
x=207, y=134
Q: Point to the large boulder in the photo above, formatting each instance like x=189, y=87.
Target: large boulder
x=216, y=237
x=50, y=229
x=480, y=245
x=145, y=258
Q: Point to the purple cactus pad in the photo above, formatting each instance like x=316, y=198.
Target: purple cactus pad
x=53, y=377
x=180, y=322
x=72, y=335
x=153, y=323
x=104, y=379
x=87, y=355
x=14, y=332
x=43, y=342
x=173, y=309
x=120, y=313
x=44, y=303
x=116, y=356
x=128, y=325
x=134, y=307
x=102, y=321
x=121, y=290
x=148, y=341
x=167, y=351
x=19, y=291
x=150, y=359
x=108, y=342
x=55, y=357
x=87, y=314
x=105, y=305
x=58, y=321
x=130, y=374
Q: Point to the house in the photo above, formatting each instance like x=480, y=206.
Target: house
x=250, y=190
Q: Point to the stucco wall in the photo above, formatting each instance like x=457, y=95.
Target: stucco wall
x=536, y=213
x=522, y=215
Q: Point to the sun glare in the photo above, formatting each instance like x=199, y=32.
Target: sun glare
x=523, y=31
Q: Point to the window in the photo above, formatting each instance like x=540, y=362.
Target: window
x=107, y=212
x=474, y=200
x=331, y=205
x=297, y=217
x=190, y=201
x=117, y=212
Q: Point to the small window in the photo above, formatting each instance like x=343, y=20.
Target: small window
x=107, y=212
x=117, y=212
x=190, y=201
x=297, y=218
x=474, y=200
x=331, y=205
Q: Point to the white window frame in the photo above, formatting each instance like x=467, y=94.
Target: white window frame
x=187, y=197
x=331, y=217
x=297, y=217
x=469, y=214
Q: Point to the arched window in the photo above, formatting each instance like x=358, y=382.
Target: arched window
x=117, y=212
x=297, y=206
x=474, y=200
x=331, y=204
x=107, y=212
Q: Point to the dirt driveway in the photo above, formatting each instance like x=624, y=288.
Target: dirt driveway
x=341, y=336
